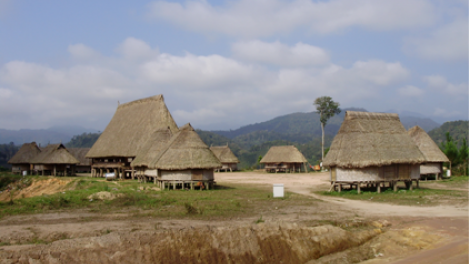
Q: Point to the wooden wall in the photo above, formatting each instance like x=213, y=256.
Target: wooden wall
x=384, y=173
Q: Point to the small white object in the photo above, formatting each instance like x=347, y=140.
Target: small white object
x=448, y=173
x=278, y=190
x=25, y=173
x=109, y=176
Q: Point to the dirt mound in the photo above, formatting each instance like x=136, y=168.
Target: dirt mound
x=103, y=196
x=37, y=188
x=281, y=243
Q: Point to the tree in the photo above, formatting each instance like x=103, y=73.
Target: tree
x=327, y=108
x=463, y=155
x=450, y=149
x=259, y=160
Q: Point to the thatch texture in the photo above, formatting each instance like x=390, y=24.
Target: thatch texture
x=371, y=139
x=25, y=154
x=131, y=128
x=80, y=155
x=55, y=154
x=224, y=154
x=185, y=150
x=426, y=145
x=283, y=154
x=153, y=148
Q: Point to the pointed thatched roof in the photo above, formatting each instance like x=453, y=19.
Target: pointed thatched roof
x=224, y=154
x=153, y=148
x=55, y=154
x=25, y=154
x=371, y=139
x=131, y=127
x=426, y=145
x=80, y=155
x=185, y=150
x=283, y=154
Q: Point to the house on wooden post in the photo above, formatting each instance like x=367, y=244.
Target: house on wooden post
x=432, y=153
x=80, y=155
x=185, y=161
x=21, y=161
x=284, y=158
x=373, y=149
x=55, y=160
x=226, y=157
x=130, y=129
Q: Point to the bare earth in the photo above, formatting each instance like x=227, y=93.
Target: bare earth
x=434, y=234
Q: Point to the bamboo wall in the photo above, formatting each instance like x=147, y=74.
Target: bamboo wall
x=385, y=173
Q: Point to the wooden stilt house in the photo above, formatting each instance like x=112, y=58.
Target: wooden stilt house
x=284, y=158
x=183, y=162
x=126, y=135
x=226, y=157
x=432, y=153
x=372, y=149
x=80, y=154
x=21, y=161
x=54, y=160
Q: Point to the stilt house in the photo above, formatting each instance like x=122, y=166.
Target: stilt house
x=372, y=148
x=226, y=157
x=55, y=160
x=128, y=132
x=21, y=161
x=80, y=155
x=184, y=160
x=432, y=153
x=284, y=158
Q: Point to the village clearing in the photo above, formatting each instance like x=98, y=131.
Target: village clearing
x=82, y=219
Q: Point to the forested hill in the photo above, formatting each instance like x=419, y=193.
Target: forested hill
x=309, y=124
x=458, y=130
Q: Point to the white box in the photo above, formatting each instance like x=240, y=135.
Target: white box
x=278, y=190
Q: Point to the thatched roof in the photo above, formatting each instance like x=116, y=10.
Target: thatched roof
x=371, y=139
x=153, y=148
x=80, y=154
x=131, y=127
x=224, y=154
x=283, y=154
x=25, y=154
x=55, y=154
x=426, y=145
x=185, y=150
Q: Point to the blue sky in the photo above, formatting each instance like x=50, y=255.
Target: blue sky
x=224, y=64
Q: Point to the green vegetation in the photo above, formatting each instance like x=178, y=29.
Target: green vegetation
x=142, y=198
x=326, y=108
x=458, y=157
x=416, y=197
x=85, y=140
x=458, y=130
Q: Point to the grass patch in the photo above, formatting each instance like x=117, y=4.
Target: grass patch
x=224, y=201
x=416, y=197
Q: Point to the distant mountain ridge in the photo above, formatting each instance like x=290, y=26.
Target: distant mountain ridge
x=54, y=134
x=309, y=124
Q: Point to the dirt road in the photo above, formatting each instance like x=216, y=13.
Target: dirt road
x=451, y=221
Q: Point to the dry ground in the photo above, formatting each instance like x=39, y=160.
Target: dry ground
x=346, y=231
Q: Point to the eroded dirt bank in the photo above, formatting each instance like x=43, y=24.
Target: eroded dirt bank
x=256, y=243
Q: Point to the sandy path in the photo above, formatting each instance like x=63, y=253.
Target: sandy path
x=304, y=183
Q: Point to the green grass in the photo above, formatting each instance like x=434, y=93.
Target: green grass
x=416, y=197
x=140, y=198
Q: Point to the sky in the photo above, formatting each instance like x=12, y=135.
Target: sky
x=224, y=64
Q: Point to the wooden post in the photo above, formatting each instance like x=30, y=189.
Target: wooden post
x=174, y=185
x=55, y=171
x=410, y=185
x=101, y=173
x=132, y=172
x=378, y=187
x=395, y=186
x=42, y=172
x=192, y=186
x=358, y=188
x=339, y=187
x=417, y=184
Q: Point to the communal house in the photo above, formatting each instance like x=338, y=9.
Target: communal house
x=373, y=149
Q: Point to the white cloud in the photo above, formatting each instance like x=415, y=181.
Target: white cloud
x=265, y=18
x=211, y=92
x=136, y=49
x=441, y=85
x=83, y=52
x=410, y=91
x=280, y=54
x=449, y=43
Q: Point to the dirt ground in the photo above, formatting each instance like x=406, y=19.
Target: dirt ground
x=395, y=233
